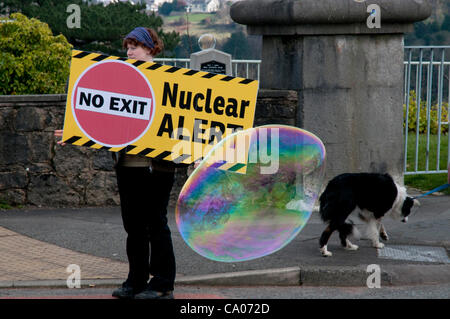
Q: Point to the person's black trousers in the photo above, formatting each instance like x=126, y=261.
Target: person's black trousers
x=144, y=196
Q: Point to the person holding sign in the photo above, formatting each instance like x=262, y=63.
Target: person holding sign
x=144, y=188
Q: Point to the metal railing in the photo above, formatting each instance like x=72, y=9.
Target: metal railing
x=426, y=109
x=248, y=69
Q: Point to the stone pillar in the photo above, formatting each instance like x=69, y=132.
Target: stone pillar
x=349, y=77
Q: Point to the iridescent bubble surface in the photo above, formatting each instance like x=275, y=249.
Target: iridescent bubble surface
x=229, y=210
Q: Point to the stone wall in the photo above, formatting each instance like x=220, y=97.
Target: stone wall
x=35, y=171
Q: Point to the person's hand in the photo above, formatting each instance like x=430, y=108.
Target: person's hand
x=59, y=133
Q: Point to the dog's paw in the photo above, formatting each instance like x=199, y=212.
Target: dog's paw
x=384, y=236
x=325, y=252
x=378, y=245
x=350, y=246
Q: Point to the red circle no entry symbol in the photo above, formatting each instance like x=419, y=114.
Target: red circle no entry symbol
x=113, y=103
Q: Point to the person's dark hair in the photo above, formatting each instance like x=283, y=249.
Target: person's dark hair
x=159, y=45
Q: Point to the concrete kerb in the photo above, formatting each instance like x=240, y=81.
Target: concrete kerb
x=268, y=277
x=59, y=283
x=338, y=276
x=390, y=275
x=356, y=276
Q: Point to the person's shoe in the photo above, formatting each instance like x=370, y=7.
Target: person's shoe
x=153, y=294
x=125, y=292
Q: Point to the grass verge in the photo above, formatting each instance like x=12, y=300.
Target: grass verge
x=427, y=182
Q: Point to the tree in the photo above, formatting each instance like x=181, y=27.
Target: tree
x=166, y=8
x=237, y=45
x=32, y=60
x=187, y=46
x=102, y=27
x=446, y=23
x=171, y=41
x=179, y=5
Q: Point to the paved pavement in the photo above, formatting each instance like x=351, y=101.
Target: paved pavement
x=38, y=244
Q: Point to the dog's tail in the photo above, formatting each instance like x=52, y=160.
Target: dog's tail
x=326, y=207
x=325, y=211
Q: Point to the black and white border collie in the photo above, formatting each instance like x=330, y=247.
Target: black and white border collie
x=374, y=194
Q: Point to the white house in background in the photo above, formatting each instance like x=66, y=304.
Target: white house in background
x=195, y=6
x=203, y=6
x=160, y=2
x=213, y=6
x=106, y=2
x=153, y=5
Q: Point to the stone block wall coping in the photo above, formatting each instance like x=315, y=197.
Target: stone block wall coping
x=32, y=99
x=288, y=94
x=8, y=99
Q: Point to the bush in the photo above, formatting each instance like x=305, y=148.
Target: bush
x=412, y=116
x=32, y=60
x=206, y=21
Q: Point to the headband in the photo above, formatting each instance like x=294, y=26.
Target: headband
x=141, y=34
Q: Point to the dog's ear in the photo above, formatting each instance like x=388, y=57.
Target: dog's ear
x=416, y=202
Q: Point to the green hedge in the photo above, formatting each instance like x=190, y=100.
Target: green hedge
x=434, y=114
x=32, y=60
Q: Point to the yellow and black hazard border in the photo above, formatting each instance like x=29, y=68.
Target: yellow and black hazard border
x=177, y=94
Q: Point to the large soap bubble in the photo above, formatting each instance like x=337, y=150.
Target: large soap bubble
x=229, y=210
